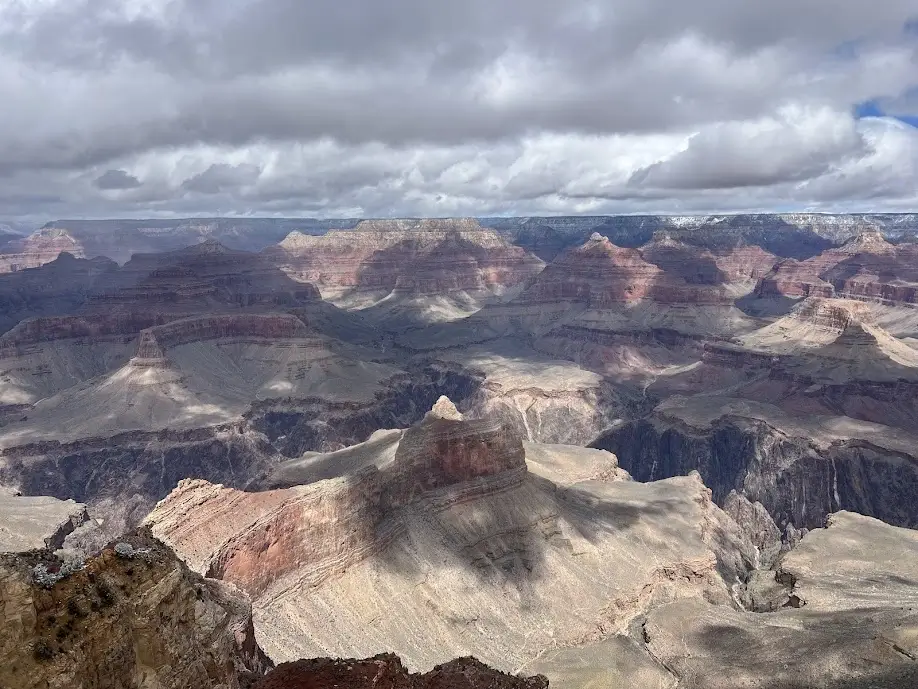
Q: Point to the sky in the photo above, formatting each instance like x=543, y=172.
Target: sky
x=343, y=108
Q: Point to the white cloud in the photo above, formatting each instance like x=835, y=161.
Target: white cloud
x=337, y=107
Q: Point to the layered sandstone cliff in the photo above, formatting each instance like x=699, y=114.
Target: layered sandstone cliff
x=432, y=269
x=39, y=248
x=455, y=535
x=866, y=267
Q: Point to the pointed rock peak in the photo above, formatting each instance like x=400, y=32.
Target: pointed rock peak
x=444, y=409
x=596, y=237
x=296, y=238
x=211, y=246
x=869, y=240
x=663, y=238
x=834, y=314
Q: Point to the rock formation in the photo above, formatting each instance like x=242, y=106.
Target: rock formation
x=387, y=672
x=31, y=523
x=132, y=616
x=205, y=276
x=801, y=468
x=836, y=628
x=59, y=287
x=866, y=267
x=428, y=270
x=39, y=248
x=445, y=519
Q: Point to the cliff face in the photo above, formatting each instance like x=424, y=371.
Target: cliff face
x=387, y=672
x=314, y=531
x=801, y=470
x=39, y=248
x=400, y=266
x=453, y=534
x=866, y=267
x=133, y=616
x=29, y=523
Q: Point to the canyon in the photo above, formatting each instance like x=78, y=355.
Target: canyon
x=602, y=450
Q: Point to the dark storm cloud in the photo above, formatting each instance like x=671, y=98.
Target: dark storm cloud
x=221, y=177
x=174, y=90
x=116, y=179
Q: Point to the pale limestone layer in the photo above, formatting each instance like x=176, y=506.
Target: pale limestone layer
x=206, y=371
x=858, y=624
x=30, y=523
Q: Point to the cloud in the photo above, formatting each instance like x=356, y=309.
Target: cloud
x=115, y=180
x=701, y=101
x=221, y=177
x=791, y=146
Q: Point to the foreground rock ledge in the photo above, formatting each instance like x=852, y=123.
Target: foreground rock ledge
x=386, y=671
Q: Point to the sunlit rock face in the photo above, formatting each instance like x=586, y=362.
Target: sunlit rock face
x=472, y=531
x=866, y=267
x=33, y=523
x=131, y=616
x=435, y=269
x=39, y=248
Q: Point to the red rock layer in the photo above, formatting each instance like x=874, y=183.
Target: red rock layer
x=597, y=274
x=204, y=276
x=867, y=267
x=314, y=531
x=421, y=256
x=600, y=274
x=39, y=248
x=387, y=672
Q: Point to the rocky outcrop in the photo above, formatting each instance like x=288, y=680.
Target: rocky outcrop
x=41, y=247
x=387, y=672
x=122, y=477
x=33, y=523
x=848, y=619
x=866, y=267
x=800, y=468
x=472, y=532
x=198, y=278
x=400, y=265
x=316, y=531
x=132, y=616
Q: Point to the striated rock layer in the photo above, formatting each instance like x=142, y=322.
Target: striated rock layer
x=133, y=616
x=866, y=267
x=39, y=248
x=800, y=468
x=454, y=535
x=438, y=269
